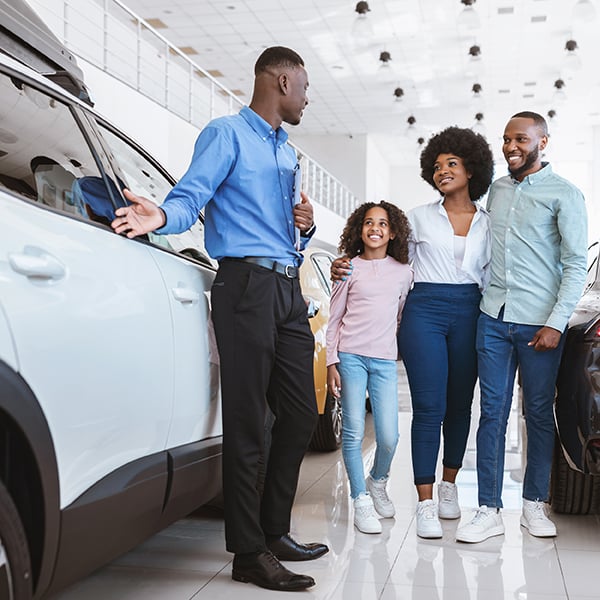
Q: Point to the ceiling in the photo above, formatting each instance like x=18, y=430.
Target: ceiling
x=523, y=54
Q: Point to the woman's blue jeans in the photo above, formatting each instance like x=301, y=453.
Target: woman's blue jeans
x=379, y=377
x=501, y=348
x=436, y=341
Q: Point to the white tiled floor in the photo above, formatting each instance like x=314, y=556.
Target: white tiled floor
x=188, y=560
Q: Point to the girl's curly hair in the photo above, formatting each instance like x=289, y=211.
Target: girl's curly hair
x=351, y=243
x=469, y=146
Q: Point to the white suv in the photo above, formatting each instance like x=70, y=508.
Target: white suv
x=110, y=423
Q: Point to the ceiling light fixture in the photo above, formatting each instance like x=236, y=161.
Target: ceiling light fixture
x=571, y=62
x=584, y=11
x=560, y=95
x=468, y=17
x=478, y=126
x=398, y=93
x=385, y=72
x=475, y=52
x=411, y=122
x=361, y=28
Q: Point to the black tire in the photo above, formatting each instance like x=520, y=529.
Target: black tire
x=571, y=491
x=15, y=570
x=328, y=433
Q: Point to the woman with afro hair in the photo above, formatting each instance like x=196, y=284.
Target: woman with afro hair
x=450, y=253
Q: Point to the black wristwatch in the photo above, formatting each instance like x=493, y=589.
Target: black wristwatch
x=308, y=232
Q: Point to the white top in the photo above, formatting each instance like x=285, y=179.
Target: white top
x=431, y=246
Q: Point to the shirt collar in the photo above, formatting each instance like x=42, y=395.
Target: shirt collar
x=442, y=210
x=262, y=128
x=538, y=176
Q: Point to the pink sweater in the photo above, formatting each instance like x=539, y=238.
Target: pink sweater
x=365, y=309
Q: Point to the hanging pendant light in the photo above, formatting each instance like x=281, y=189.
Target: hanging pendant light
x=362, y=30
x=468, y=17
x=571, y=62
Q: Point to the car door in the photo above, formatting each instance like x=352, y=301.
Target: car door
x=188, y=273
x=88, y=310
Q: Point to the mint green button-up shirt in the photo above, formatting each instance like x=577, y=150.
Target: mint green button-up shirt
x=539, y=249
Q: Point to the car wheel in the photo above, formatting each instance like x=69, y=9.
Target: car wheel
x=328, y=434
x=571, y=491
x=15, y=571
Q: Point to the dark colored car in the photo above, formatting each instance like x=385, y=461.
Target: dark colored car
x=575, y=485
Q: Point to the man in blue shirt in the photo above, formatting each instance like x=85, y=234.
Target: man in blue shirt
x=243, y=173
x=537, y=274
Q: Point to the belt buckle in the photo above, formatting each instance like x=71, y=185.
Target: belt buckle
x=289, y=273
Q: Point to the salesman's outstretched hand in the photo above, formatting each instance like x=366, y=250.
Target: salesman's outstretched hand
x=141, y=217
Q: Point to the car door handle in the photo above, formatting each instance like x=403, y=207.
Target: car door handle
x=185, y=295
x=36, y=263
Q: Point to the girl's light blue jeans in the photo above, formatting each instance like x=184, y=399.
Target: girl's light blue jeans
x=379, y=377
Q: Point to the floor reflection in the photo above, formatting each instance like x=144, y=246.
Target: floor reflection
x=188, y=560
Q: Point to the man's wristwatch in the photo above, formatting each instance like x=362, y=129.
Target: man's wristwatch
x=308, y=232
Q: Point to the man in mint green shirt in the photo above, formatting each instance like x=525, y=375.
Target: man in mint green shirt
x=538, y=270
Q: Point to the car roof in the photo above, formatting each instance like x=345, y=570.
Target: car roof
x=25, y=37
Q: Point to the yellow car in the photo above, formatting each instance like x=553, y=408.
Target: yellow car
x=316, y=288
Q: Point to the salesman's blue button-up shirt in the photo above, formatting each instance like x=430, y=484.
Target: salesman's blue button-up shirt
x=242, y=171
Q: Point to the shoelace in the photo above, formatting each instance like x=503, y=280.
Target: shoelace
x=366, y=511
x=273, y=560
x=536, y=512
x=428, y=511
x=446, y=493
x=380, y=494
x=481, y=515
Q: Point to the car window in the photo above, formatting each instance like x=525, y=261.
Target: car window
x=592, y=265
x=144, y=178
x=322, y=263
x=44, y=156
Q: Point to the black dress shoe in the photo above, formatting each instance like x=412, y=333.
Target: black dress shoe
x=286, y=547
x=264, y=570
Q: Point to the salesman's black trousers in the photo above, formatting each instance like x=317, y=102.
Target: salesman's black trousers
x=266, y=355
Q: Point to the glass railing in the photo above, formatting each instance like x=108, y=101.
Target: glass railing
x=113, y=38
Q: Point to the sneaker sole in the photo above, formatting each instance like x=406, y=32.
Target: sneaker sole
x=385, y=514
x=448, y=515
x=430, y=536
x=546, y=533
x=475, y=538
x=368, y=531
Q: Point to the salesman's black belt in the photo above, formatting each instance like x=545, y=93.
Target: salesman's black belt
x=289, y=271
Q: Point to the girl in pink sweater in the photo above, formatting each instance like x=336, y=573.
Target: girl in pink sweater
x=362, y=349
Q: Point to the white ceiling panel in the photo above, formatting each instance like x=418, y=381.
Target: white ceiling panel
x=522, y=46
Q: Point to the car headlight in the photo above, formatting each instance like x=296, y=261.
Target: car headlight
x=592, y=333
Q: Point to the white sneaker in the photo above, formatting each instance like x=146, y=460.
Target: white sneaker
x=428, y=524
x=448, y=507
x=381, y=501
x=486, y=523
x=535, y=520
x=365, y=517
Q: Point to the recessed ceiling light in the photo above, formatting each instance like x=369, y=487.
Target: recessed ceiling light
x=538, y=19
x=338, y=67
x=530, y=83
x=156, y=23
x=505, y=91
x=506, y=10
